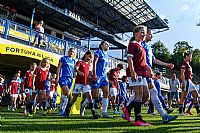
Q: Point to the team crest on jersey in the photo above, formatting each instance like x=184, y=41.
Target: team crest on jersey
x=105, y=59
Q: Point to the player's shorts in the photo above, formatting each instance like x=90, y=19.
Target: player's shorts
x=48, y=89
x=113, y=92
x=189, y=86
x=81, y=87
x=35, y=91
x=174, y=94
x=14, y=95
x=51, y=94
x=140, y=81
x=28, y=91
x=66, y=81
x=123, y=98
x=100, y=82
x=149, y=80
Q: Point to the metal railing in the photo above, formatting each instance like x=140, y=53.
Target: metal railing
x=25, y=35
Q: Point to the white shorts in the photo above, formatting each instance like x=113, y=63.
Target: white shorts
x=140, y=81
x=51, y=94
x=28, y=91
x=13, y=95
x=113, y=92
x=80, y=87
x=189, y=86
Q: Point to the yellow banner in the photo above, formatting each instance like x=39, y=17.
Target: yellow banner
x=26, y=51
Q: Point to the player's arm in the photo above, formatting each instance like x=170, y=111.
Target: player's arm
x=76, y=69
x=161, y=63
x=58, y=71
x=182, y=73
x=10, y=87
x=131, y=67
x=178, y=84
x=149, y=71
x=130, y=56
x=94, y=68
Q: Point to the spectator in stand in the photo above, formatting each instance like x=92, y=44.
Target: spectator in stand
x=174, y=86
x=39, y=34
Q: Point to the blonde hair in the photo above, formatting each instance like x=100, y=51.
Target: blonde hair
x=136, y=29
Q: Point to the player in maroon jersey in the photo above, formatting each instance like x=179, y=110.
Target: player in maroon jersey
x=187, y=84
x=1, y=88
x=82, y=82
x=113, y=76
x=27, y=86
x=136, y=72
x=53, y=90
x=14, y=85
x=42, y=75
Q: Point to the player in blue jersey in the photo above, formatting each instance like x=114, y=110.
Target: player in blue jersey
x=64, y=75
x=99, y=77
x=122, y=92
x=153, y=91
x=189, y=99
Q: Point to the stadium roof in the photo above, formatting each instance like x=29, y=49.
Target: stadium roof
x=92, y=18
x=117, y=16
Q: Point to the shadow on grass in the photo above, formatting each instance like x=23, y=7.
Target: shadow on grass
x=93, y=126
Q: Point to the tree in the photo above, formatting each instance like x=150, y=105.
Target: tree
x=179, y=49
x=196, y=56
x=196, y=60
x=160, y=51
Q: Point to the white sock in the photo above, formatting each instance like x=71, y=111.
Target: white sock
x=132, y=97
x=62, y=101
x=156, y=102
x=85, y=103
x=105, y=105
x=48, y=105
x=65, y=102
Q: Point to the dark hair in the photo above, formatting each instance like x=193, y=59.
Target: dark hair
x=136, y=29
x=186, y=54
x=158, y=73
x=71, y=49
x=86, y=53
x=120, y=65
x=44, y=60
x=123, y=78
x=102, y=42
x=148, y=29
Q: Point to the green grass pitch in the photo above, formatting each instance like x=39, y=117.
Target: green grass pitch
x=53, y=123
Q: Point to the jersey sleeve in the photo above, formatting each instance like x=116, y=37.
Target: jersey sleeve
x=78, y=63
x=131, y=49
x=25, y=75
x=61, y=59
x=97, y=54
x=183, y=66
x=36, y=71
x=11, y=84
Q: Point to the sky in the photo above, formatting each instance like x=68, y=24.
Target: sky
x=183, y=16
